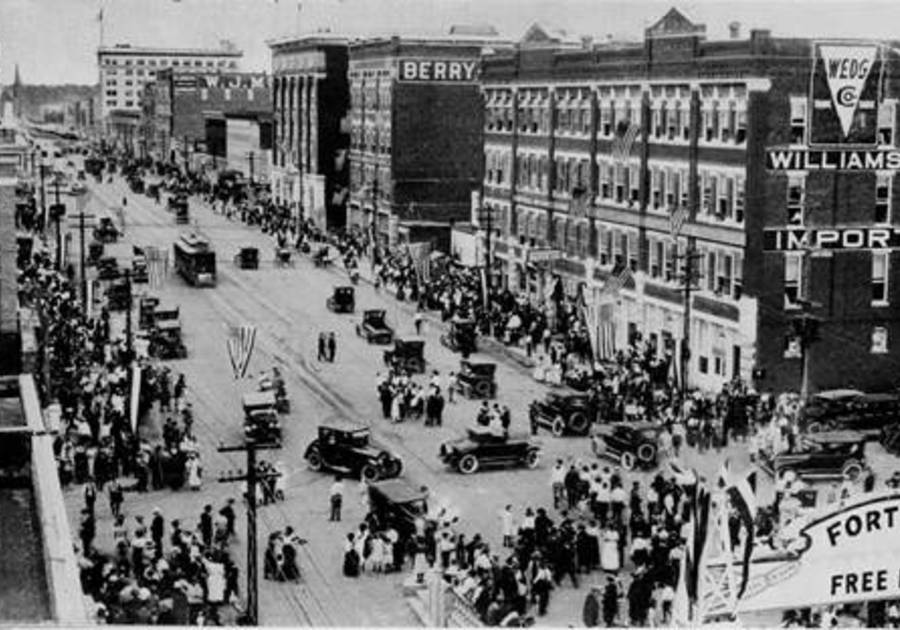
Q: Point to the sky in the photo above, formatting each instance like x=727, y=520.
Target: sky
x=55, y=41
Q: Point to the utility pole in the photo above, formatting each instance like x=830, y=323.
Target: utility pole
x=689, y=256
x=57, y=211
x=129, y=337
x=187, y=163
x=250, y=156
x=251, y=477
x=43, y=198
x=82, y=253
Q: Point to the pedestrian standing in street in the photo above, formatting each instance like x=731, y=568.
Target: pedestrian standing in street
x=417, y=321
x=321, y=353
x=506, y=526
x=88, y=530
x=451, y=387
x=206, y=525
x=157, y=531
x=558, y=485
x=332, y=347
x=90, y=495
x=228, y=514
x=336, y=494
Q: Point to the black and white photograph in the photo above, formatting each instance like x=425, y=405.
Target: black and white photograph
x=450, y=313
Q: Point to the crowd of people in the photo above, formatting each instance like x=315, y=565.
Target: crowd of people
x=402, y=398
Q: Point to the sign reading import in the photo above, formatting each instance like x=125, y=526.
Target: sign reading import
x=851, y=555
x=800, y=239
x=438, y=70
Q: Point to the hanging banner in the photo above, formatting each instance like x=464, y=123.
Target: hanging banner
x=240, y=343
x=135, y=396
x=851, y=555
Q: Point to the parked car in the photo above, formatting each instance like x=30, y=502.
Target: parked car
x=397, y=504
x=563, y=413
x=165, y=340
x=828, y=454
x=108, y=268
x=476, y=379
x=247, y=258
x=118, y=296
x=851, y=409
x=374, y=328
x=632, y=444
x=408, y=354
x=484, y=449
x=343, y=300
x=261, y=422
x=140, y=274
x=348, y=448
x=461, y=337
x=146, y=311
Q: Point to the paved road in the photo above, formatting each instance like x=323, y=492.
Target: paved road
x=288, y=307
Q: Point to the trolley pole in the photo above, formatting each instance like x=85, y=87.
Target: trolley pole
x=251, y=616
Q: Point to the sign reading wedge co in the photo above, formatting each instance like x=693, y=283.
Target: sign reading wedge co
x=851, y=555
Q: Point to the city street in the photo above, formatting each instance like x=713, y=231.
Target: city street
x=288, y=307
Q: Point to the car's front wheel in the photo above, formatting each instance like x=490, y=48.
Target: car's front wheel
x=369, y=473
x=578, y=423
x=627, y=461
x=394, y=468
x=646, y=453
x=852, y=470
x=314, y=460
x=468, y=464
x=558, y=428
x=533, y=458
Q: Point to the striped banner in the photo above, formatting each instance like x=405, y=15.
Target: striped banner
x=240, y=343
x=626, y=134
x=677, y=220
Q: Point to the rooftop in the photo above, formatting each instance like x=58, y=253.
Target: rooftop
x=128, y=49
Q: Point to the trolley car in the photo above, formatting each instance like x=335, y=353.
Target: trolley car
x=195, y=260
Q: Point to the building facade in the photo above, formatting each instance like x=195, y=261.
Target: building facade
x=310, y=173
x=652, y=156
x=177, y=100
x=416, y=135
x=124, y=70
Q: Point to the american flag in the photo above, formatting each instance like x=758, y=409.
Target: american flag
x=677, y=220
x=615, y=284
x=240, y=343
x=626, y=133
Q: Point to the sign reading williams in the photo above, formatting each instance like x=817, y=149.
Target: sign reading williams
x=800, y=239
x=436, y=70
x=832, y=160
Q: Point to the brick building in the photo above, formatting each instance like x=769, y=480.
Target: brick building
x=416, y=135
x=177, y=102
x=592, y=151
x=310, y=173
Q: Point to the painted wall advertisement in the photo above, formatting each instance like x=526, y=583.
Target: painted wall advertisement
x=851, y=555
x=842, y=113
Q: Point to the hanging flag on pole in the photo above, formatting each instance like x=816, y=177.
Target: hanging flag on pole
x=619, y=280
x=677, y=220
x=626, y=134
x=240, y=343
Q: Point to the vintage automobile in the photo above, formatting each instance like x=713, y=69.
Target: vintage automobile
x=106, y=231
x=178, y=204
x=890, y=439
x=261, y=422
x=476, y=379
x=632, y=444
x=397, y=504
x=374, y=329
x=851, y=409
x=461, y=337
x=107, y=268
x=118, y=296
x=247, y=258
x=146, y=307
x=273, y=382
x=165, y=340
x=140, y=273
x=408, y=355
x=342, y=300
x=348, y=448
x=94, y=253
x=563, y=413
x=829, y=454
x=484, y=449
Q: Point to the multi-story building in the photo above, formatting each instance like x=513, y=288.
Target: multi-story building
x=124, y=70
x=310, y=173
x=652, y=156
x=416, y=135
x=177, y=100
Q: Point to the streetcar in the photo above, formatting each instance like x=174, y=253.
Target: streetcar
x=195, y=260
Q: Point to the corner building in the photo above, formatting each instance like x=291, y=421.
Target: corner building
x=590, y=150
x=415, y=136
x=310, y=173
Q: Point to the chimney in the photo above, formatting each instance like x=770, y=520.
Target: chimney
x=734, y=30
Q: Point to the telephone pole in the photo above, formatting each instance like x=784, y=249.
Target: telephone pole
x=251, y=477
x=57, y=210
x=690, y=256
x=129, y=337
x=43, y=199
x=81, y=216
x=250, y=157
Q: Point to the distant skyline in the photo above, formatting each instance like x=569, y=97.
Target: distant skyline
x=55, y=41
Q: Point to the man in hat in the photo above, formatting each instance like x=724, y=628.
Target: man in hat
x=157, y=530
x=206, y=526
x=229, y=515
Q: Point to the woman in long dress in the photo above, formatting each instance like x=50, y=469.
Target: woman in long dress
x=194, y=472
x=609, y=551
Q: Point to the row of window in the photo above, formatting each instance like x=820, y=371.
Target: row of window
x=797, y=208
x=797, y=277
x=872, y=123
x=165, y=62
x=114, y=103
